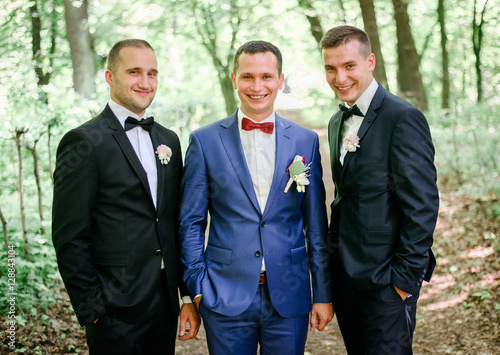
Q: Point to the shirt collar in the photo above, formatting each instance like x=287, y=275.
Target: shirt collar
x=366, y=97
x=122, y=113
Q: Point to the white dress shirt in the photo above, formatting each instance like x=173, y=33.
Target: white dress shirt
x=142, y=144
x=260, y=153
x=352, y=124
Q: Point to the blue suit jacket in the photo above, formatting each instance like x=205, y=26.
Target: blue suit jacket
x=217, y=181
x=386, y=198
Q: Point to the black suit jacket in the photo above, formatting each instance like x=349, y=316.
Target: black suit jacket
x=386, y=198
x=108, y=235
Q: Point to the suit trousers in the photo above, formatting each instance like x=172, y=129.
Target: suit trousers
x=259, y=324
x=110, y=336
x=375, y=321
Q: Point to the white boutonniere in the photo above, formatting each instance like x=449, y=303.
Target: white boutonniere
x=164, y=153
x=351, y=142
x=299, y=172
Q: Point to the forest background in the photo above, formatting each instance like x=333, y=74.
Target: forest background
x=441, y=55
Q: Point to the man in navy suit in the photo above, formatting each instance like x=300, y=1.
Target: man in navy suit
x=267, y=239
x=115, y=215
x=386, y=201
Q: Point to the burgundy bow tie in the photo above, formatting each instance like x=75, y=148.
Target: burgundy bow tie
x=248, y=125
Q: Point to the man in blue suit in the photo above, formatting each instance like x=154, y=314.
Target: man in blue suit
x=253, y=281
x=386, y=201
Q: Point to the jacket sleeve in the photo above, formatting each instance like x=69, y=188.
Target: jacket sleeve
x=315, y=225
x=193, y=216
x=75, y=187
x=414, y=183
x=180, y=274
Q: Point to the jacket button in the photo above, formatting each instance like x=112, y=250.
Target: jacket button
x=263, y=224
x=158, y=252
x=257, y=253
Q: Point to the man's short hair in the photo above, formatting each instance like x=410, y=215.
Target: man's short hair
x=114, y=53
x=341, y=35
x=253, y=47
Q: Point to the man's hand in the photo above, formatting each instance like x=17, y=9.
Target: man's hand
x=197, y=301
x=321, y=315
x=401, y=293
x=189, y=314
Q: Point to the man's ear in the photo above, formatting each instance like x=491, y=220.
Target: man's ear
x=371, y=62
x=109, y=77
x=233, y=79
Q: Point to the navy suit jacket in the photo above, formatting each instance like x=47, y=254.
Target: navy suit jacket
x=217, y=181
x=386, y=198
x=108, y=235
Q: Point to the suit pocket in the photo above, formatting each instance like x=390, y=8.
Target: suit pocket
x=218, y=255
x=381, y=237
x=111, y=259
x=299, y=254
x=369, y=160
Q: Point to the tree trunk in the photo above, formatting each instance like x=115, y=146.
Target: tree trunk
x=4, y=226
x=49, y=149
x=208, y=33
x=36, y=40
x=313, y=18
x=227, y=89
x=445, y=94
x=371, y=28
x=34, y=152
x=80, y=43
x=409, y=72
x=19, y=134
x=477, y=43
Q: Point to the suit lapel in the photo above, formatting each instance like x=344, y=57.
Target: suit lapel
x=160, y=170
x=333, y=138
x=231, y=141
x=370, y=117
x=122, y=140
x=284, y=138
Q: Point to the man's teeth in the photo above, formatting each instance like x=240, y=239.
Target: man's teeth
x=257, y=97
x=344, y=89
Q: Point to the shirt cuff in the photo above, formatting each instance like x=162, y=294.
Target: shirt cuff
x=186, y=299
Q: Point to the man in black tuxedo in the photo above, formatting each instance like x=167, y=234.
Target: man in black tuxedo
x=115, y=210
x=386, y=201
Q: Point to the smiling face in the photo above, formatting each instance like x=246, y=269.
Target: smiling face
x=134, y=80
x=257, y=81
x=348, y=71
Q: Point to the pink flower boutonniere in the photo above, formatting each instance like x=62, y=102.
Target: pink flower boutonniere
x=164, y=153
x=299, y=172
x=351, y=142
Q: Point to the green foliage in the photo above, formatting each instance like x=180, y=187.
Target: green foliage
x=467, y=140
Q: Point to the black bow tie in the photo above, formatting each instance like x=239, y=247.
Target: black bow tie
x=354, y=110
x=146, y=124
